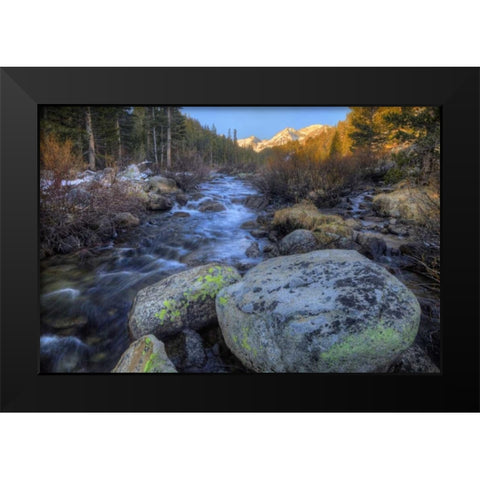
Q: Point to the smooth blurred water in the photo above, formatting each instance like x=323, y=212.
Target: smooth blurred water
x=86, y=296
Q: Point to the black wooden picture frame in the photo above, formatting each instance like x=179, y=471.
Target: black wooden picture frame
x=455, y=90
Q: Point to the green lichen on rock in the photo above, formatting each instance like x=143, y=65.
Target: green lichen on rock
x=169, y=311
x=205, y=287
x=223, y=300
x=209, y=285
x=378, y=342
x=146, y=355
x=245, y=344
x=323, y=311
x=183, y=300
x=154, y=362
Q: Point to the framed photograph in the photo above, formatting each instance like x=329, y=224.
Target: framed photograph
x=239, y=239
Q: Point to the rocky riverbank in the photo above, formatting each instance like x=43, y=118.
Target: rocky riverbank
x=220, y=281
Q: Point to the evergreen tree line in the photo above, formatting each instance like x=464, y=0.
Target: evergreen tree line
x=104, y=136
x=115, y=136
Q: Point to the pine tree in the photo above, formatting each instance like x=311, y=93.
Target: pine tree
x=420, y=127
x=336, y=146
x=366, y=131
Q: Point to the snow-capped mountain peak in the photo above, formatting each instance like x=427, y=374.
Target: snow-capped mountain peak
x=286, y=135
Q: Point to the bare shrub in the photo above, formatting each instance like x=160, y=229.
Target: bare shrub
x=70, y=222
x=188, y=171
x=296, y=177
x=427, y=251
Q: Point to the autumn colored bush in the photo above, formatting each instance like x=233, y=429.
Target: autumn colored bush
x=58, y=157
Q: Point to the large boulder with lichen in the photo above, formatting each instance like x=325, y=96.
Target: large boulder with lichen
x=180, y=301
x=323, y=311
x=330, y=231
x=146, y=355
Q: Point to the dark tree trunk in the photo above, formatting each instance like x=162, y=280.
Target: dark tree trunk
x=169, y=137
x=91, y=140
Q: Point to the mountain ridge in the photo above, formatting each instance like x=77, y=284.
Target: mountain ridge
x=282, y=137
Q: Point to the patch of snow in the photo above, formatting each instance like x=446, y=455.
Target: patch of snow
x=131, y=173
x=45, y=183
x=77, y=181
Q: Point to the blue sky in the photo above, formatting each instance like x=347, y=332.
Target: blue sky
x=264, y=122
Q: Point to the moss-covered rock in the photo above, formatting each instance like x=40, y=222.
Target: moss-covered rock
x=331, y=231
x=183, y=300
x=146, y=355
x=323, y=311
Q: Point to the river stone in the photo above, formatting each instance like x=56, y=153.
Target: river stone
x=323, y=311
x=106, y=177
x=271, y=250
x=211, y=206
x=413, y=360
x=251, y=224
x=186, y=350
x=330, y=231
x=146, y=355
x=259, y=233
x=256, y=202
x=159, y=184
x=181, y=199
x=159, y=202
x=183, y=300
x=126, y=219
x=353, y=223
x=79, y=197
x=253, y=251
x=65, y=322
x=181, y=215
x=133, y=189
x=299, y=241
x=373, y=244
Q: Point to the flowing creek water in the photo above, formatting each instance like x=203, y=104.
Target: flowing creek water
x=86, y=296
